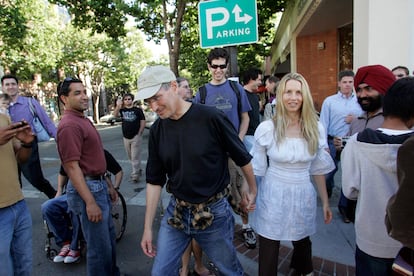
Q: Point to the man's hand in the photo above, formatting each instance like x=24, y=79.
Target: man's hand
x=349, y=118
x=113, y=193
x=94, y=212
x=146, y=244
x=21, y=131
x=24, y=133
x=248, y=202
x=337, y=141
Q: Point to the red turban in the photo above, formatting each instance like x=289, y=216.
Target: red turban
x=377, y=76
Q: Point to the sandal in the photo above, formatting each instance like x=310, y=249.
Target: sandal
x=206, y=272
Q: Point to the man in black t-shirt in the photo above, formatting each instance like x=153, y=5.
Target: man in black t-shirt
x=196, y=174
x=133, y=124
x=252, y=79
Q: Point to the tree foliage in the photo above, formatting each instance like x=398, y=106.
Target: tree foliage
x=37, y=40
x=103, y=62
x=177, y=22
x=98, y=16
x=194, y=59
x=29, y=36
x=12, y=23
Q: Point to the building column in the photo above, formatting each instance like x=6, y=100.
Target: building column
x=384, y=33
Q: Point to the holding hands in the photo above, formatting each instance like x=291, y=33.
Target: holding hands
x=248, y=202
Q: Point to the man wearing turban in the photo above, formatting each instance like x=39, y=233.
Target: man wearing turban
x=371, y=83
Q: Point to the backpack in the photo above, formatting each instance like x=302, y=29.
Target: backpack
x=233, y=84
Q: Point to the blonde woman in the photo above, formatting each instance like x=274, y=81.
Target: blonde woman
x=287, y=150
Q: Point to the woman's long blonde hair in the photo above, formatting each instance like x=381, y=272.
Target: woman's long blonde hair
x=308, y=116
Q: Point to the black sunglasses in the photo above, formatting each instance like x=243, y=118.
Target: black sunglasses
x=65, y=83
x=215, y=66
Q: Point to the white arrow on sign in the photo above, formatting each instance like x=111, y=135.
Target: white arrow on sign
x=237, y=11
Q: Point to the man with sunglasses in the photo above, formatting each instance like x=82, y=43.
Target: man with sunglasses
x=82, y=156
x=19, y=109
x=220, y=94
x=133, y=125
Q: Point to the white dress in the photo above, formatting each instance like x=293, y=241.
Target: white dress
x=286, y=198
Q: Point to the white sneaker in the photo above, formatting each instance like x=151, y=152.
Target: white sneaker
x=64, y=251
x=72, y=257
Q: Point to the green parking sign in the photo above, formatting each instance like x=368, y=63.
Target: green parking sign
x=227, y=22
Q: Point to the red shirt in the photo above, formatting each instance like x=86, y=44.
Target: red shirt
x=78, y=140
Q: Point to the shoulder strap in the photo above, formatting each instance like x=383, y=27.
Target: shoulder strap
x=203, y=94
x=31, y=107
x=236, y=90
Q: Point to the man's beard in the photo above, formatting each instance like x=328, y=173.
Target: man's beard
x=371, y=104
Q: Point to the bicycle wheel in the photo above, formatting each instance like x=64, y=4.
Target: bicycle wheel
x=50, y=252
x=119, y=216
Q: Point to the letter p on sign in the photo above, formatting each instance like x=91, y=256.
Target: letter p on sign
x=211, y=23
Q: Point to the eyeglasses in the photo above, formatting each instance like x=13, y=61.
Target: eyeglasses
x=215, y=66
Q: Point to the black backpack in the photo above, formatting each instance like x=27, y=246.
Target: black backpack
x=203, y=94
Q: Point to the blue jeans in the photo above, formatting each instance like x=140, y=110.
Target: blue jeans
x=367, y=265
x=32, y=170
x=330, y=176
x=248, y=142
x=100, y=237
x=64, y=225
x=16, y=240
x=216, y=241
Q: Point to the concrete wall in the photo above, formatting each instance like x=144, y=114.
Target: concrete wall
x=384, y=33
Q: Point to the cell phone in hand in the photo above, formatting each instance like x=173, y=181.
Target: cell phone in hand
x=22, y=124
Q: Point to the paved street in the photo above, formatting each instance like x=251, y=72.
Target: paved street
x=131, y=260
x=332, y=244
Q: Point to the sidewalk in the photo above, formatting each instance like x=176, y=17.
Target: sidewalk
x=333, y=245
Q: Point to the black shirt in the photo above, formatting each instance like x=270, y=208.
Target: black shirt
x=131, y=121
x=192, y=153
x=254, y=113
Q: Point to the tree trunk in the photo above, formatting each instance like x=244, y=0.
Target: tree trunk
x=173, y=33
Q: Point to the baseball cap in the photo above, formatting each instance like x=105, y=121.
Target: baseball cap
x=151, y=79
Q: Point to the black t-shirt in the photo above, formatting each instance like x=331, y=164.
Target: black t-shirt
x=254, y=113
x=131, y=121
x=192, y=152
